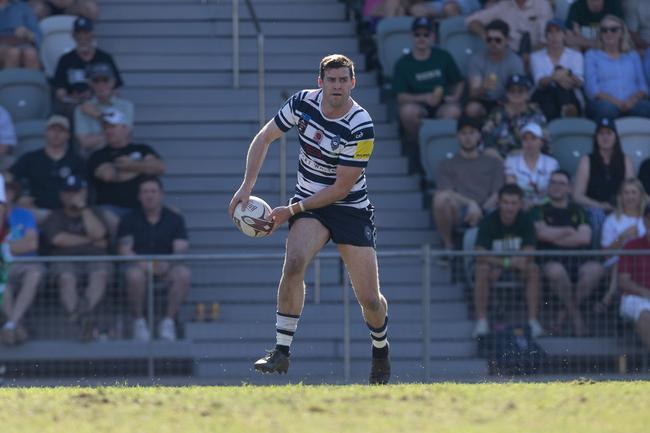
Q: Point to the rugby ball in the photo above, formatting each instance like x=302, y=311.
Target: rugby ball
x=254, y=220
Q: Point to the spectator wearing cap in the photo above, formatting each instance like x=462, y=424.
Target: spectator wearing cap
x=502, y=127
x=523, y=17
x=77, y=230
x=20, y=36
x=615, y=82
x=88, y=115
x=443, y=8
x=559, y=73
x=23, y=279
x=584, y=18
x=634, y=283
x=488, y=71
x=530, y=168
x=70, y=80
x=115, y=171
x=155, y=229
x=637, y=17
x=428, y=84
x=84, y=8
x=8, y=139
x=601, y=173
x=40, y=171
x=462, y=200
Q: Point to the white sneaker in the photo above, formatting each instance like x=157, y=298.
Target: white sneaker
x=536, y=329
x=481, y=329
x=167, y=329
x=140, y=330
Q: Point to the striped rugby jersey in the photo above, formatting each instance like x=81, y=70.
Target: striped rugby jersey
x=328, y=143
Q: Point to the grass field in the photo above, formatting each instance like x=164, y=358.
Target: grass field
x=574, y=407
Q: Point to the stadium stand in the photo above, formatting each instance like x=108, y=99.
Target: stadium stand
x=30, y=136
x=460, y=42
x=57, y=40
x=437, y=141
x=635, y=136
x=25, y=94
x=570, y=139
x=393, y=41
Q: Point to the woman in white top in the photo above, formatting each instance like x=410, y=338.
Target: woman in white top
x=531, y=169
x=621, y=226
x=558, y=73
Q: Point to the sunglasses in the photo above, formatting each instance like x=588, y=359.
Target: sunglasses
x=490, y=40
x=421, y=35
x=101, y=80
x=614, y=29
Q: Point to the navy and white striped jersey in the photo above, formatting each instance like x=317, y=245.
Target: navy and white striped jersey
x=327, y=143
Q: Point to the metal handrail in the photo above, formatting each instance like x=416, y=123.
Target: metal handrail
x=261, y=82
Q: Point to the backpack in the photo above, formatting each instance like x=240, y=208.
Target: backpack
x=514, y=351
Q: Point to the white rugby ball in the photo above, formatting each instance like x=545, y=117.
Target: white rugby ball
x=254, y=220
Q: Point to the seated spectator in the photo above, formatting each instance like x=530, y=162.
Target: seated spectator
x=88, y=115
x=507, y=229
x=83, y=8
x=637, y=17
x=70, y=80
x=634, y=282
x=154, y=229
x=524, y=17
x=562, y=225
x=24, y=278
x=626, y=222
x=428, y=84
x=378, y=9
x=646, y=64
x=615, y=83
x=461, y=199
x=117, y=169
x=443, y=8
x=600, y=174
x=41, y=171
x=488, y=71
x=8, y=139
x=584, y=20
x=501, y=130
x=20, y=36
x=559, y=74
x=530, y=168
x=78, y=230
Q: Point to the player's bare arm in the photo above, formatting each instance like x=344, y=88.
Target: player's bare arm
x=254, y=160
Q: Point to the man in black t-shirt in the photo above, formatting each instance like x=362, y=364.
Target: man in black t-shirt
x=41, y=171
x=116, y=170
x=562, y=225
x=70, y=78
x=154, y=229
x=507, y=229
x=584, y=19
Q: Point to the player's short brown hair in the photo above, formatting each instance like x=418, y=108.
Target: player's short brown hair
x=335, y=61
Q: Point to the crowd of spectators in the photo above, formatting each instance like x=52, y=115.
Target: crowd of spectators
x=90, y=190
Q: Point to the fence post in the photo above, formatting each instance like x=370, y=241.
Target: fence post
x=346, y=326
x=426, y=311
x=317, y=280
x=150, y=317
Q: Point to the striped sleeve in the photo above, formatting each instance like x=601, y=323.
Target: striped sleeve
x=286, y=117
x=358, y=149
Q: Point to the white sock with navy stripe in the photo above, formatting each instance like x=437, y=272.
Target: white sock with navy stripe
x=379, y=338
x=285, y=327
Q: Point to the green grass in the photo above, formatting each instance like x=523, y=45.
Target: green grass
x=574, y=407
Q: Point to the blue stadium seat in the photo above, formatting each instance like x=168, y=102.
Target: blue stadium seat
x=570, y=139
x=635, y=138
x=31, y=136
x=25, y=94
x=437, y=141
x=57, y=40
x=393, y=41
x=459, y=41
x=562, y=9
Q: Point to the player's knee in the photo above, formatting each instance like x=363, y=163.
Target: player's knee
x=294, y=266
x=441, y=198
x=182, y=274
x=135, y=276
x=370, y=301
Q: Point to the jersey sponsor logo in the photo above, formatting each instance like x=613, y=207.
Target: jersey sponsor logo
x=313, y=151
x=358, y=135
x=336, y=141
x=318, y=136
x=428, y=75
x=364, y=149
x=316, y=166
x=303, y=122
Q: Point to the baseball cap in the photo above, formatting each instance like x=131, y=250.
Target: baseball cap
x=533, y=128
x=72, y=183
x=464, y=121
x=422, y=23
x=100, y=70
x=518, y=80
x=555, y=22
x=114, y=117
x=58, y=120
x=606, y=122
x=83, y=24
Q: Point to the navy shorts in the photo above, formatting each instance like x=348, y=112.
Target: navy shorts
x=347, y=225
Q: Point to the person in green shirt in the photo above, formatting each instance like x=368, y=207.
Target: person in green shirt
x=427, y=83
x=507, y=229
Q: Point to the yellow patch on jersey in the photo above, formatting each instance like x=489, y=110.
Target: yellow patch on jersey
x=364, y=149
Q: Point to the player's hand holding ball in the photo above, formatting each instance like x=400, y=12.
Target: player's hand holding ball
x=251, y=216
